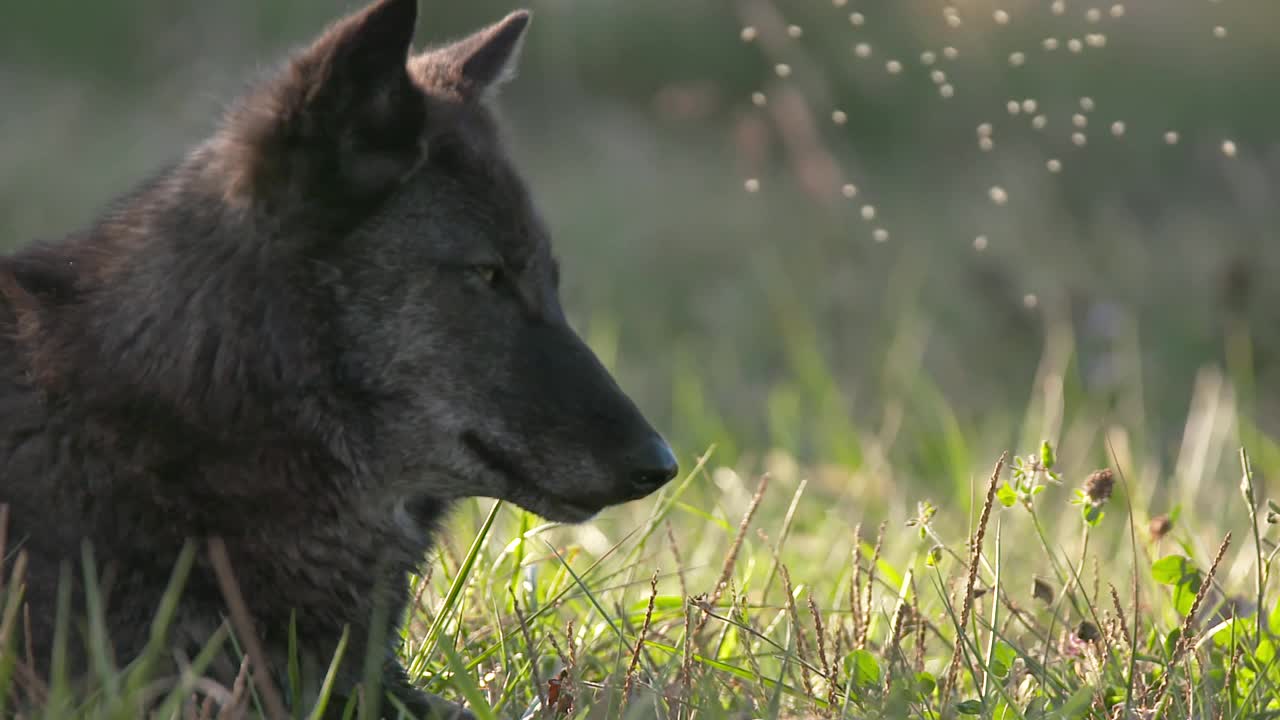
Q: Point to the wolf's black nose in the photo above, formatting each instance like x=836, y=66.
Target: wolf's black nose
x=653, y=465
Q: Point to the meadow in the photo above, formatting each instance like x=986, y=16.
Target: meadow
x=1064, y=582
x=959, y=316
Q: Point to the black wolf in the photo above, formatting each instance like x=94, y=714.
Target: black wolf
x=326, y=323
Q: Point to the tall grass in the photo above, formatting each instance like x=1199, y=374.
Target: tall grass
x=1089, y=574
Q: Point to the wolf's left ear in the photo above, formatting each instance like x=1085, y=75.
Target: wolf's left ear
x=343, y=117
x=477, y=64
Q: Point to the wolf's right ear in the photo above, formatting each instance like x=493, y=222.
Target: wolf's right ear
x=342, y=119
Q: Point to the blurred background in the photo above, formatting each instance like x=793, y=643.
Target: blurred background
x=871, y=233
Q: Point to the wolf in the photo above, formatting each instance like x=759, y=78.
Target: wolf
x=306, y=339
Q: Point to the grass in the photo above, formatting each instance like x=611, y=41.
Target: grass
x=1077, y=578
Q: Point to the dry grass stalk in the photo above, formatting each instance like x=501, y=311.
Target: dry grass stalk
x=828, y=672
x=1124, y=626
x=1228, y=681
x=871, y=581
x=534, y=676
x=726, y=571
x=855, y=588
x=234, y=707
x=975, y=559
x=644, y=632
x=895, y=636
x=242, y=621
x=1185, y=641
x=675, y=553
x=801, y=644
x=686, y=662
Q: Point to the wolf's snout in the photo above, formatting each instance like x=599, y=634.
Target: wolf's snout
x=652, y=465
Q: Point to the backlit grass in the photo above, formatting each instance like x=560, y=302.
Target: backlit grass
x=916, y=576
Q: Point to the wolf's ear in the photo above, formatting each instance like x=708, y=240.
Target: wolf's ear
x=343, y=117
x=477, y=64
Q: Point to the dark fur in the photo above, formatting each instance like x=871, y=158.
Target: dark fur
x=328, y=322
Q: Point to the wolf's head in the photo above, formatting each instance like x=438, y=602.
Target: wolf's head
x=386, y=165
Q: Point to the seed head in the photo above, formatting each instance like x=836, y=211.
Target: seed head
x=1159, y=526
x=1098, y=486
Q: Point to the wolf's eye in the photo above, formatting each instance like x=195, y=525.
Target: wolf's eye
x=489, y=274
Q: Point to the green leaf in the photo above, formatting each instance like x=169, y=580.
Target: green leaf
x=925, y=683
x=969, y=707
x=1170, y=570
x=1092, y=514
x=1265, y=653
x=1171, y=640
x=1006, y=495
x=934, y=557
x=1184, y=594
x=999, y=669
x=864, y=668
x=1037, y=490
x=1004, y=653
x=1046, y=455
